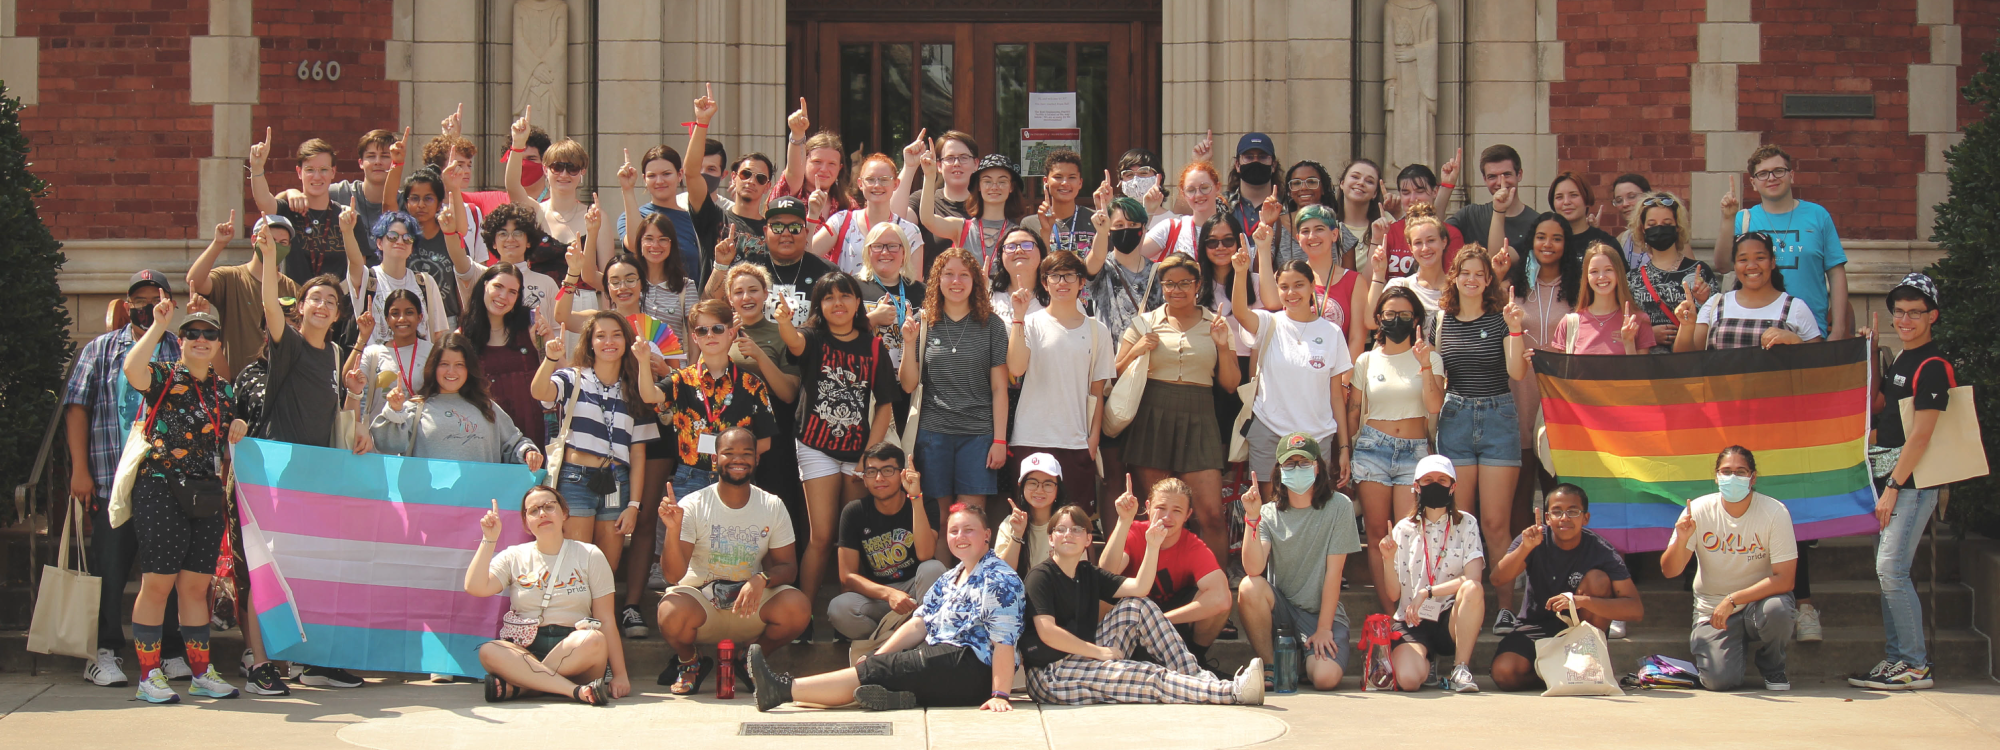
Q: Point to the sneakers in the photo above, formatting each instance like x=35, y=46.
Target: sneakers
x=772, y=689
x=1777, y=682
x=104, y=671
x=1250, y=684
x=1807, y=629
x=1461, y=680
x=1901, y=676
x=328, y=677
x=442, y=679
x=1862, y=679
x=154, y=689
x=265, y=680
x=211, y=685
x=177, y=668
x=245, y=665
x=1617, y=629
x=632, y=622
x=878, y=698
x=654, y=580
x=1504, y=622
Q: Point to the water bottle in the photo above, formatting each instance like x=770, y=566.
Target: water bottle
x=1287, y=663
x=725, y=669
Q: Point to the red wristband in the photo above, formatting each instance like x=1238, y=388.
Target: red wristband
x=1446, y=185
x=998, y=441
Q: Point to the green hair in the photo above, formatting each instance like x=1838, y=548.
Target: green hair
x=1133, y=209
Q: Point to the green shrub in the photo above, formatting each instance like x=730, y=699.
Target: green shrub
x=1968, y=227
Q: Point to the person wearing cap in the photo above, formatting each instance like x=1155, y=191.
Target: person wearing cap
x=98, y=407
x=1190, y=585
x=987, y=220
x=1253, y=176
x=1566, y=566
x=1923, y=375
x=1075, y=658
x=886, y=546
x=1023, y=540
x=1437, y=561
x=793, y=270
x=1293, y=556
x=238, y=291
x=192, y=413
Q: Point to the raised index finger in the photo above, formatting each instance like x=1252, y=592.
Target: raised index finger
x=496, y=506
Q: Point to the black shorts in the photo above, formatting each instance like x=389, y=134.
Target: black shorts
x=941, y=675
x=169, y=541
x=1522, y=642
x=1433, y=635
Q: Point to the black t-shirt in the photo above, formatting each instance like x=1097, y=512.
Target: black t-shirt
x=1931, y=388
x=708, y=228
x=1475, y=221
x=431, y=258
x=316, y=245
x=1553, y=570
x=933, y=244
x=887, y=542
x=303, y=394
x=793, y=280
x=1072, y=601
x=1582, y=241
x=837, y=378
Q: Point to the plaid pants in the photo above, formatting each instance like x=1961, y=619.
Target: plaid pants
x=1137, y=621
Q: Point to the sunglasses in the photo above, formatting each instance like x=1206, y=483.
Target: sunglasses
x=201, y=334
x=564, y=168
x=1212, y=243
x=789, y=227
x=1663, y=201
x=761, y=179
x=399, y=238
x=714, y=330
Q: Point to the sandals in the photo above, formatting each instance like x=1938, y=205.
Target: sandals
x=685, y=678
x=593, y=693
x=498, y=690
x=1270, y=678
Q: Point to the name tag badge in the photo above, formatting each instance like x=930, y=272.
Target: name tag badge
x=1900, y=380
x=705, y=444
x=611, y=501
x=1430, y=610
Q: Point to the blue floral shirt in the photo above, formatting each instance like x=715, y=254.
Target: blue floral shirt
x=982, y=611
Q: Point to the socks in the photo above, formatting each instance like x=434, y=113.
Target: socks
x=197, y=647
x=1200, y=652
x=146, y=641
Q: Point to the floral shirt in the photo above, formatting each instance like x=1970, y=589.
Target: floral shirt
x=1437, y=554
x=189, y=424
x=982, y=611
x=699, y=404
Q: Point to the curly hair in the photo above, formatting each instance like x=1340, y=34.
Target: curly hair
x=982, y=304
x=1491, y=300
x=523, y=219
x=1326, y=187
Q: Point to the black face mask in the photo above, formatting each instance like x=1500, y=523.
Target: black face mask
x=142, y=315
x=1662, y=236
x=1434, y=495
x=712, y=180
x=1398, y=330
x=1255, y=173
x=1126, y=240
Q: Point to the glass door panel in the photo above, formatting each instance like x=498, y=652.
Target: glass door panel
x=890, y=89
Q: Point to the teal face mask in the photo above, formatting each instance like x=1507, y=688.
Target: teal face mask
x=1734, y=488
x=1297, y=478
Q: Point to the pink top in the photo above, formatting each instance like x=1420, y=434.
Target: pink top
x=1599, y=334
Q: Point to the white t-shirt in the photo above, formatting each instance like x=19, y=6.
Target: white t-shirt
x=1296, y=393
x=1003, y=306
x=437, y=320
x=583, y=576
x=1223, y=305
x=538, y=290
x=1187, y=243
x=1440, y=553
x=854, y=244
x=1433, y=300
x=407, y=362
x=730, y=543
x=1735, y=553
x=1801, y=319
x=1056, y=388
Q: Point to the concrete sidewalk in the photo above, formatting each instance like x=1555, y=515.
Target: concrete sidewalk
x=60, y=712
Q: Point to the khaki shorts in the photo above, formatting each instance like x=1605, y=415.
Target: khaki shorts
x=727, y=626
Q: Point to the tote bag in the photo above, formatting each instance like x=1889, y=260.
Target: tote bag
x=1955, y=453
x=138, y=445
x=1239, y=442
x=1576, y=661
x=65, y=619
x=1130, y=388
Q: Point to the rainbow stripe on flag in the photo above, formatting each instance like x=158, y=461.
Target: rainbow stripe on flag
x=657, y=331
x=1640, y=434
x=359, y=562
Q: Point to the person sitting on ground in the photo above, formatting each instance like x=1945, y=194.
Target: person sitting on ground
x=571, y=648
x=1292, y=560
x=967, y=627
x=1190, y=586
x=735, y=560
x=1437, y=563
x=1567, y=566
x=1746, y=555
x=885, y=548
x=1073, y=658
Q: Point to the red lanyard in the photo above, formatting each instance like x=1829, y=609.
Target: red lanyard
x=214, y=418
x=404, y=374
x=707, y=405
x=1431, y=565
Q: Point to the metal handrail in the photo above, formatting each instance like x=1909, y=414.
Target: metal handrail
x=42, y=455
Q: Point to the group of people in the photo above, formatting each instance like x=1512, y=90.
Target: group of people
x=953, y=397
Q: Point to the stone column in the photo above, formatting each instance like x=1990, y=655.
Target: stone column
x=1725, y=39
x=20, y=59
x=1283, y=67
x=1513, y=56
x=1933, y=108
x=222, y=72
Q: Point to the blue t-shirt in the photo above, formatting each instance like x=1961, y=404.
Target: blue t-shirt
x=1808, y=246
x=684, y=237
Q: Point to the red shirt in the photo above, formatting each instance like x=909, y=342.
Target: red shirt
x=1180, y=567
x=1402, y=263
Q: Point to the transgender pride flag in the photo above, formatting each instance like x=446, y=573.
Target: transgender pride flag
x=359, y=562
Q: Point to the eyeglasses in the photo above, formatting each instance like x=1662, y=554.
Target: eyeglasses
x=1772, y=174
x=1663, y=201
x=201, y=334
x=1311, y=182
x=564, y=168
x=1908, y=314
x=714, y=330
x=542, y=508
x=959, y=159
x=1066, y=277
x=1389, y=316
x=788, y=227
x=1571, y=513
x=761, y=179
x=878, y=181
x=504, y=234
x=885, y=246
x=1732, y=472
x=622, y=281
x=1018, y=247
x=1040, y=484
x=399, y=238
x=1069, y=530
x=1212, y=243
x=1180, y=286
x=1138, y=172
x=880, y=472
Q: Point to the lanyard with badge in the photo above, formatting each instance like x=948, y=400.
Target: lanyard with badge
x=705, y=442
x=1432, y=608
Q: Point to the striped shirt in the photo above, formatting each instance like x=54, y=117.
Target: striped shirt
x=959, y=357
x=98, y=385
x=599, y=424
x=1475, y=355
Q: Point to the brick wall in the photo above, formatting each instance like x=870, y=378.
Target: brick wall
x=1623, y=103
x=352, y=32
x=114, y=134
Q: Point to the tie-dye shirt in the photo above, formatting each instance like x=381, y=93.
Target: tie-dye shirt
x=730, y=543
x=983, y=610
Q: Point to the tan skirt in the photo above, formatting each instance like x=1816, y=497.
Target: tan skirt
x=1175, y=430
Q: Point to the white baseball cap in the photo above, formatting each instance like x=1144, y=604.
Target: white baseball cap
x=1435, y=464
x=1041, y=462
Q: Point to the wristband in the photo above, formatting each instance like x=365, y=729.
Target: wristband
x=1515, y=333
x=551, y=359
x=998, y=441
x=1001, y=694
x=395, y=164
x=516, y=150
x=1446, y=186
x=718, y=266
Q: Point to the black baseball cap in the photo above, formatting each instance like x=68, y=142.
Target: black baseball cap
x=150, y=277
x=787, y=205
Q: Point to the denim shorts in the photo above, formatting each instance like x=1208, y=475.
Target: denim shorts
x=1480, y=431
x=688, y=480
x=583, y=503
x=955, y=464
x=1383, y=459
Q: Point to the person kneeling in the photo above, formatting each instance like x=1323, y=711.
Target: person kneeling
x=1577, y=569
x=1437, y=562
x=559, y=581
x=1074, y=659
x=885, y=549
x=1292, y=557
x=968, y=625
x=1747, y=557
x=733, y=551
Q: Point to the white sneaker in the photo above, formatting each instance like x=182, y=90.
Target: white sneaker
x=1779, y=684
x=1807, y=629
x=244, y=664
x=177, y=668
x=1250, y=684
x=1461, y=680
x=154, y=689
x=1617, y=629
x=104, y=671
x=211, y=685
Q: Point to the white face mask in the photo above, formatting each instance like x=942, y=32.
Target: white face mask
x=1138, y=187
